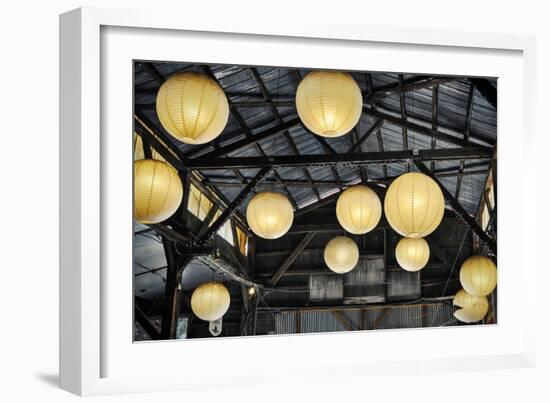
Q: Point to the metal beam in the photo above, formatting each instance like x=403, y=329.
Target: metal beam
x=425, y=130
x=457, y=207
x=467, y=125
x=219, y=181
x=403, y=107
x=383, y=313
x=343, y=320
x=417, y=83
x=167, y=140
x=291, y=258
x=165, y=151
x=172, y=291
x=443, y=154
x=299, y=271
x=381, y=149
x=224, y=216
x=208, y=219
x=221, y=267
x=435, y=117
x=256, y=100
x=153, y=72
x=199, y=181
x=177, y=236
x=376, y=126
x=145, y=324
x=328, y=149
x=237, y=145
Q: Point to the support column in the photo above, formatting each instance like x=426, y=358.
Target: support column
x=172, y=291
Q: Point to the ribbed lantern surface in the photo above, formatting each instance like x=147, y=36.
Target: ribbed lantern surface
x=210, y=301
x=414, y=205
x=478, y=275
x=474, y=308
x=269, y=215
x=358, y=209
x=341, y=254
x=412, y=254
x=157, y=191
x=192, y=107
x=329, y=103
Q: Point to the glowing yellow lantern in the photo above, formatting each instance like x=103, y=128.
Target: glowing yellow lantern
x=474, y=308
x=358, y=209
x=341, y=254
x=269, y=215
x=157, y=191
x=210, y=301
x=329, y=103
x=414, y=205
x=478, y=275
x=412, y=254
x=192, y=107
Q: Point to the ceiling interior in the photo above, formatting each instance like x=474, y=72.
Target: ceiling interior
x=402, y=112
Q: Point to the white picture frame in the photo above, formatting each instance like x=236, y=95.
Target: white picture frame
x=97, y=355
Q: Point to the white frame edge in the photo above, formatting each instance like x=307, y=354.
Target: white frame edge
x=80, y=259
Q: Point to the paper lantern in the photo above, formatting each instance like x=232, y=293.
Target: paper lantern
x=269, y=215
x=157, y=191
x=329, y=103
x=478, y=275
x=474, y=308
x=414, y=205
x=341, y=254
x=358, y=209
x=210, y=301
x=412, y=254
x=192, y=107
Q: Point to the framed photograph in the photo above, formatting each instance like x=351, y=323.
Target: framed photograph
x=321, y=196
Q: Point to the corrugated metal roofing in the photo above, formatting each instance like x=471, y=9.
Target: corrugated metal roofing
x=281, y=83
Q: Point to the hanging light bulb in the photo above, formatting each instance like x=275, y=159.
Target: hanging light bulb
x=414, y=205
x=478, y=275
x=358, y=209
x=269, y=215
x=210, y=301
x=329, y=103
x=192, y=107
x=341, y=254
x=474, y=308
x=157, y=191
x=412, y=254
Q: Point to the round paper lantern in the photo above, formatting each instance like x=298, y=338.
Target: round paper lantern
x=478, y=275
x=341, y=254
x=329, y=103
x=192, y=107
x=358, y=209
x=412, y=254
x=157, y=191
x=414, y=205
x=474, y=308
x=269, y=215
x=210, y=301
